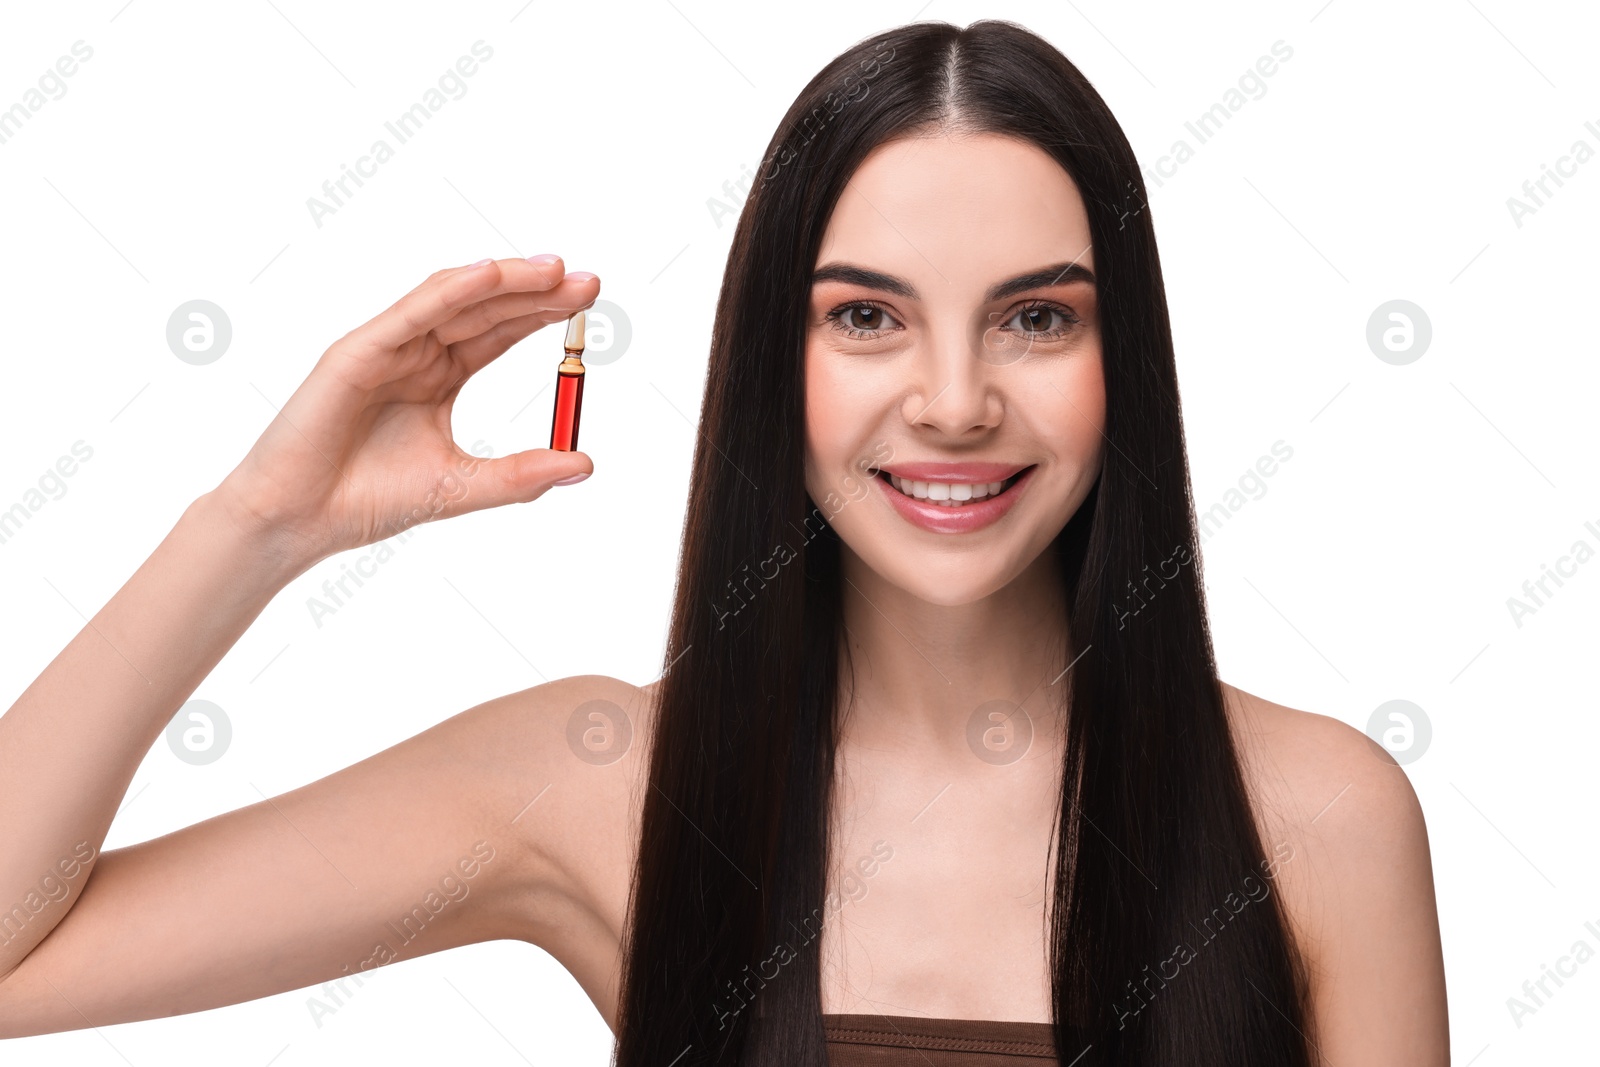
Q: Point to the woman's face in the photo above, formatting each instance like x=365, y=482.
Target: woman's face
x=952, y=342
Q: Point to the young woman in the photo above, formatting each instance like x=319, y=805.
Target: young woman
x=939, y=762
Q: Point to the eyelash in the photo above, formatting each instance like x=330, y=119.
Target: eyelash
x=1071, y=320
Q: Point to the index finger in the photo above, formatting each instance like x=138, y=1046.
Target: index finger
x=437, y=300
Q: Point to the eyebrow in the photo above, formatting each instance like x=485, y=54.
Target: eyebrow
x=1059, y=274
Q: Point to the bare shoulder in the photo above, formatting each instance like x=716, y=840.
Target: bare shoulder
x=578, y=744
x=1356, y=877
x=1314, y=773
x=1329, y=791
x=574, y=747
x=594, y=720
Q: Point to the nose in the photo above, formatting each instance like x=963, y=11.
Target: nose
x=954, y=391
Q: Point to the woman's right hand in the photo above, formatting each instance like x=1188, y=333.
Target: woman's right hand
x=363, y=449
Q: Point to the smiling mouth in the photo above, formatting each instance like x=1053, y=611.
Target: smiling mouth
x=951, y=494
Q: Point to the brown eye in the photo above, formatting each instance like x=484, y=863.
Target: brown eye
x=1043, y=320
x=865, y=318
x=1035, y=319
x=861, y=319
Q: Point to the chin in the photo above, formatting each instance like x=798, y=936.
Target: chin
x=943, y=578
x=944, y=595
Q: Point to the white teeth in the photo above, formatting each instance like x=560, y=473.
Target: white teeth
x=946, y=494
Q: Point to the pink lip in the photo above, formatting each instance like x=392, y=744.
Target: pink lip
x=955, y=520
x=955, y=472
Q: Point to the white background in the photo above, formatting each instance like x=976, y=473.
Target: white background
x=1377, y=565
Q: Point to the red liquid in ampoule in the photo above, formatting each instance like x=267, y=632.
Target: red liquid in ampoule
x=564, y=424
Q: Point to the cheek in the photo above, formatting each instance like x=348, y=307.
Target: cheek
x=820, y=432
x=1076, y=427
x=835, y=417
x=849, y=406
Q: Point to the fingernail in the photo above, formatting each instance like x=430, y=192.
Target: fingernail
x=480, y=263
x=571, y=480
x=544, y=260
x=580, y=276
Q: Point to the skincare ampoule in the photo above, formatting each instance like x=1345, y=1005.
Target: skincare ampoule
x=569, y=390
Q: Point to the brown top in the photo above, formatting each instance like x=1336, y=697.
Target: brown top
x=914, y=1041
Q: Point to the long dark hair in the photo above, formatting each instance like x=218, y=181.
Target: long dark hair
x=1156, y=847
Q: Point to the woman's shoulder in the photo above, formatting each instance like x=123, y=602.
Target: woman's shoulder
x=575, y=747
x=560, y=775
x=586, y=733
x=1344, y=831
x=596, y=720
x=1311, y=774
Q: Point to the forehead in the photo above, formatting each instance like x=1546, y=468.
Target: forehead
x=954, y=211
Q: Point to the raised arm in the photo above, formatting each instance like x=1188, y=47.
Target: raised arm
x=298, y=888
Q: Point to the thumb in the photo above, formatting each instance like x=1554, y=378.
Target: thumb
x=523, y=476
